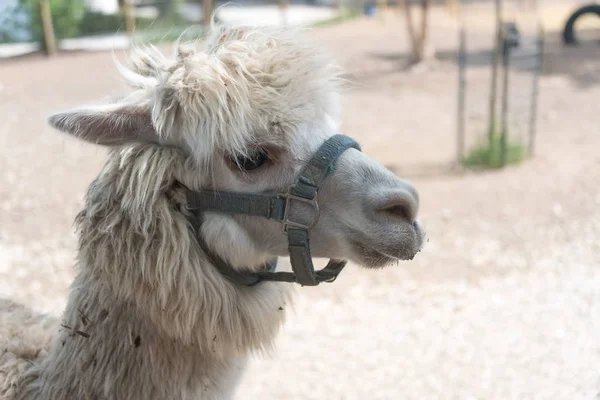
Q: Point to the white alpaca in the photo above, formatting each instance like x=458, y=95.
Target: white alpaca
x=149, y=315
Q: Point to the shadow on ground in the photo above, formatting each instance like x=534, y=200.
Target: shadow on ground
x=580, y=63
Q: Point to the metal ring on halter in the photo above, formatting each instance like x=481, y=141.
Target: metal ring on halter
x=289, y=196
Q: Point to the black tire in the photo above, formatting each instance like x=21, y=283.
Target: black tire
x=569, y=31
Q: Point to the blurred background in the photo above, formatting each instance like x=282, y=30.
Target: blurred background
x=490, y=107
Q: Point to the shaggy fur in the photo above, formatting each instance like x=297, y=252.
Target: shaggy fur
x=151, y=308
x=147, y=316
x=24, y=338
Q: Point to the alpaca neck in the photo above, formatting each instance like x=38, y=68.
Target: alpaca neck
x=148, y=316
x=108, y=349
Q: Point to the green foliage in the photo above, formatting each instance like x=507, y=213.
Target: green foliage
x=346, y=14
x=97, y=22
x=160, y=32
x=488, y=154
x=94, y=23
x=168, y=26
x=168, y=9
x=66, y=17
x=70, y=19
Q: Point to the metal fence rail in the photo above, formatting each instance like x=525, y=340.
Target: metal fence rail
x=519, y=60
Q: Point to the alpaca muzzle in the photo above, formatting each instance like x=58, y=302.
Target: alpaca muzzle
x=279, y=207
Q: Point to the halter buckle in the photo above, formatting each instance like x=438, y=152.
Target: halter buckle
x=289, y=196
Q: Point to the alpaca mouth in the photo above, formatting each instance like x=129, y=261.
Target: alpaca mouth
x=420, y=235
x=379, y=255
x=376, y=258
x=372, y=258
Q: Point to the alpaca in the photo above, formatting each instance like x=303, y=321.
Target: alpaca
x=150, y=315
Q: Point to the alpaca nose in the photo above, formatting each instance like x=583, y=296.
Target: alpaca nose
x=400, y=203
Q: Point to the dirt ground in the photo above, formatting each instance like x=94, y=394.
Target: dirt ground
x=504, y=301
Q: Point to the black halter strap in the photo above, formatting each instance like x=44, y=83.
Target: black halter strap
x=278, y=207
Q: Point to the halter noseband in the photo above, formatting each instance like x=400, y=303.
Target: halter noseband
x=277, y=207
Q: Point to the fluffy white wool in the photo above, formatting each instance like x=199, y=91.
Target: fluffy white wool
x=248, y=83
x=147, y=316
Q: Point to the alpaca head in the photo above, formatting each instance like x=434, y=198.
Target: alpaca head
x=247, y=113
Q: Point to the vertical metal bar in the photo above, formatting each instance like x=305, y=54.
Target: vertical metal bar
x=462, y=66
x=494, y=78
x=504, y=110
x=535, y=90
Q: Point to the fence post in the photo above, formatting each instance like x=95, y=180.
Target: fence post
x=504, y=111
x=129, y=18
x=462, y=66
x=494, y=81
x=535, y=90
x=48, y=29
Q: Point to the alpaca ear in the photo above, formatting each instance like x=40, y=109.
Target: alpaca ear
x=109, y=125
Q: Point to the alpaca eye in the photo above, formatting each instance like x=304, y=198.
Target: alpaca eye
x=253, y=161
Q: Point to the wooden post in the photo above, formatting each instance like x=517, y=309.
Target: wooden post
x=48, y=29
x=129, y=18
x=207, y=10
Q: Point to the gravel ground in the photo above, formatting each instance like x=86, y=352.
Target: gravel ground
x=504, y=301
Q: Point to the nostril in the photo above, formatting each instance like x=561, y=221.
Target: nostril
x=399, y=204
x=398, y=211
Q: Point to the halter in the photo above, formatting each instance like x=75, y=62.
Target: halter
x=278, y=207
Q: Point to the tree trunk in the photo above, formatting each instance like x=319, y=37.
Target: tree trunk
x=412, y=34
x=418, y=40
x=424, y=40
x=48, y=29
